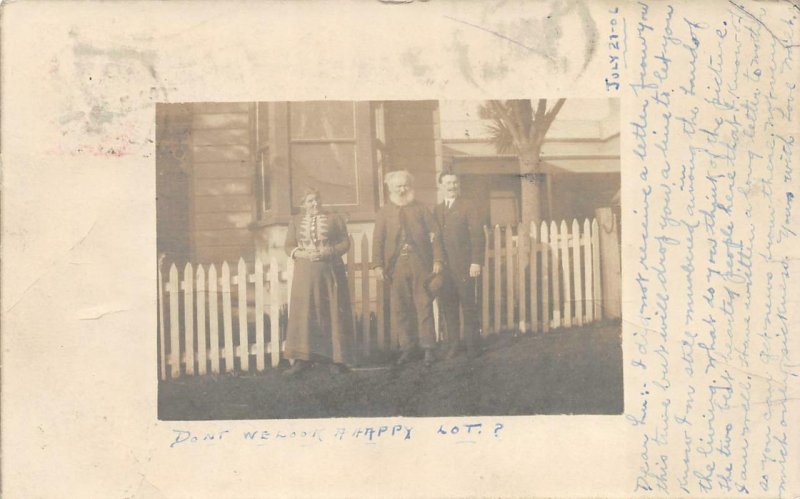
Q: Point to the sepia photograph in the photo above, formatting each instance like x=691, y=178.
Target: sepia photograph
x=325, y=259
x=274, y=249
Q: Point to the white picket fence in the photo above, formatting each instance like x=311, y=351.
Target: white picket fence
x=541, y=277
x=188, y=321
x=195, y=338
x=534, y=279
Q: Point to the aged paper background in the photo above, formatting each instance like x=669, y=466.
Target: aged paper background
x=711, y=380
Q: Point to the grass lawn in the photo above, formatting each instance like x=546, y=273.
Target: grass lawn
x=568, y=371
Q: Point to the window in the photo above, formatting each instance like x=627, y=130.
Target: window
x=325, y=145
x=323, y=151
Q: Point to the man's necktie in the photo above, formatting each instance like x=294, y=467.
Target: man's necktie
x=404, y=235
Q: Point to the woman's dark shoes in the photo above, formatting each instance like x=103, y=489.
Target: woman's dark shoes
x=298, y=367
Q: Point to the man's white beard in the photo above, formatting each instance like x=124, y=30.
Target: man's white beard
x=401, y=199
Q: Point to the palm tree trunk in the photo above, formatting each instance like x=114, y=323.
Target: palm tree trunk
x=532, y=184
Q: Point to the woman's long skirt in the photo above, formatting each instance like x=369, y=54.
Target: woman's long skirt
x=320, y=314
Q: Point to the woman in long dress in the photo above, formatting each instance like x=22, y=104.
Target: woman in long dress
x=320, y=315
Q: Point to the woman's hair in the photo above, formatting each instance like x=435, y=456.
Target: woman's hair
x=308, y=191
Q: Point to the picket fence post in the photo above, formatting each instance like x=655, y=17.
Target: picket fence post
x=567, y=282
x=202, y=355
x=587, y=269
x=241, y=294
x=188, y=317
x=365, y=329
x=289, y=283
x=554, y=267
x=227, y=321
x=498, y=280
x=351, y=284
x=576, y=272
x=522, y=264
x=597, y=281
x=274, y=312
x=533, y=241
x=485, y=283
x=380, y=315
x=258, y=280
x=162, y=343
x=174, y=322
x=610, y=255
x=545, y=252
x=213, y=318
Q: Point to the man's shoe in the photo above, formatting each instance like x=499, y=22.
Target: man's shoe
x=452, y=352
x=404, y=358
x=429, y=357
x=298, y=367
x=339, y=369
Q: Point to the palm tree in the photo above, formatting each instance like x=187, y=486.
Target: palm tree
x=517, y=127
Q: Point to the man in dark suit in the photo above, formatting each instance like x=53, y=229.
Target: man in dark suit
x=405, y=250
x=463, y=239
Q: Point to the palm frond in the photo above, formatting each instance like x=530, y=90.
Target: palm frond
x=513, y=124
x=498, y=113
x=501, y=137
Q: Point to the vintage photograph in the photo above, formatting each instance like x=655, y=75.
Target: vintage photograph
x=325, y=259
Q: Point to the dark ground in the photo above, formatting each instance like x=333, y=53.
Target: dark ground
x=571, y=371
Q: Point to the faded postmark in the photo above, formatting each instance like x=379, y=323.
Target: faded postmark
x=559, y=36
x=99, y=117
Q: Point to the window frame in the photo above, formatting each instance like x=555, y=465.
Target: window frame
x=273, y=165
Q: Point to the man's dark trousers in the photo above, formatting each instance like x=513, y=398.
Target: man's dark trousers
x=459, y=290
x=411, y=307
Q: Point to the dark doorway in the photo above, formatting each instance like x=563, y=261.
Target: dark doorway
x=496, y=196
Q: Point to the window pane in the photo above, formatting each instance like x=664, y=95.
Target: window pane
x=321, y=120
x=331, y=168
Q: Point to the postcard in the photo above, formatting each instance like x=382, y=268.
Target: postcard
x=400, y=249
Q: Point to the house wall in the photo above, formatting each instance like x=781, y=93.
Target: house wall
x=207, y=176
x=216, y=208
x=412, y=133
x=223, y=181
x=173, y=177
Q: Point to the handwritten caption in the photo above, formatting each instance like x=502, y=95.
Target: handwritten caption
x=457, y=432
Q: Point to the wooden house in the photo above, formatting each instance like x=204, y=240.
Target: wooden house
x=229, y=174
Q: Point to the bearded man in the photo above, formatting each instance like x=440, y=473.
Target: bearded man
x=406, y=248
